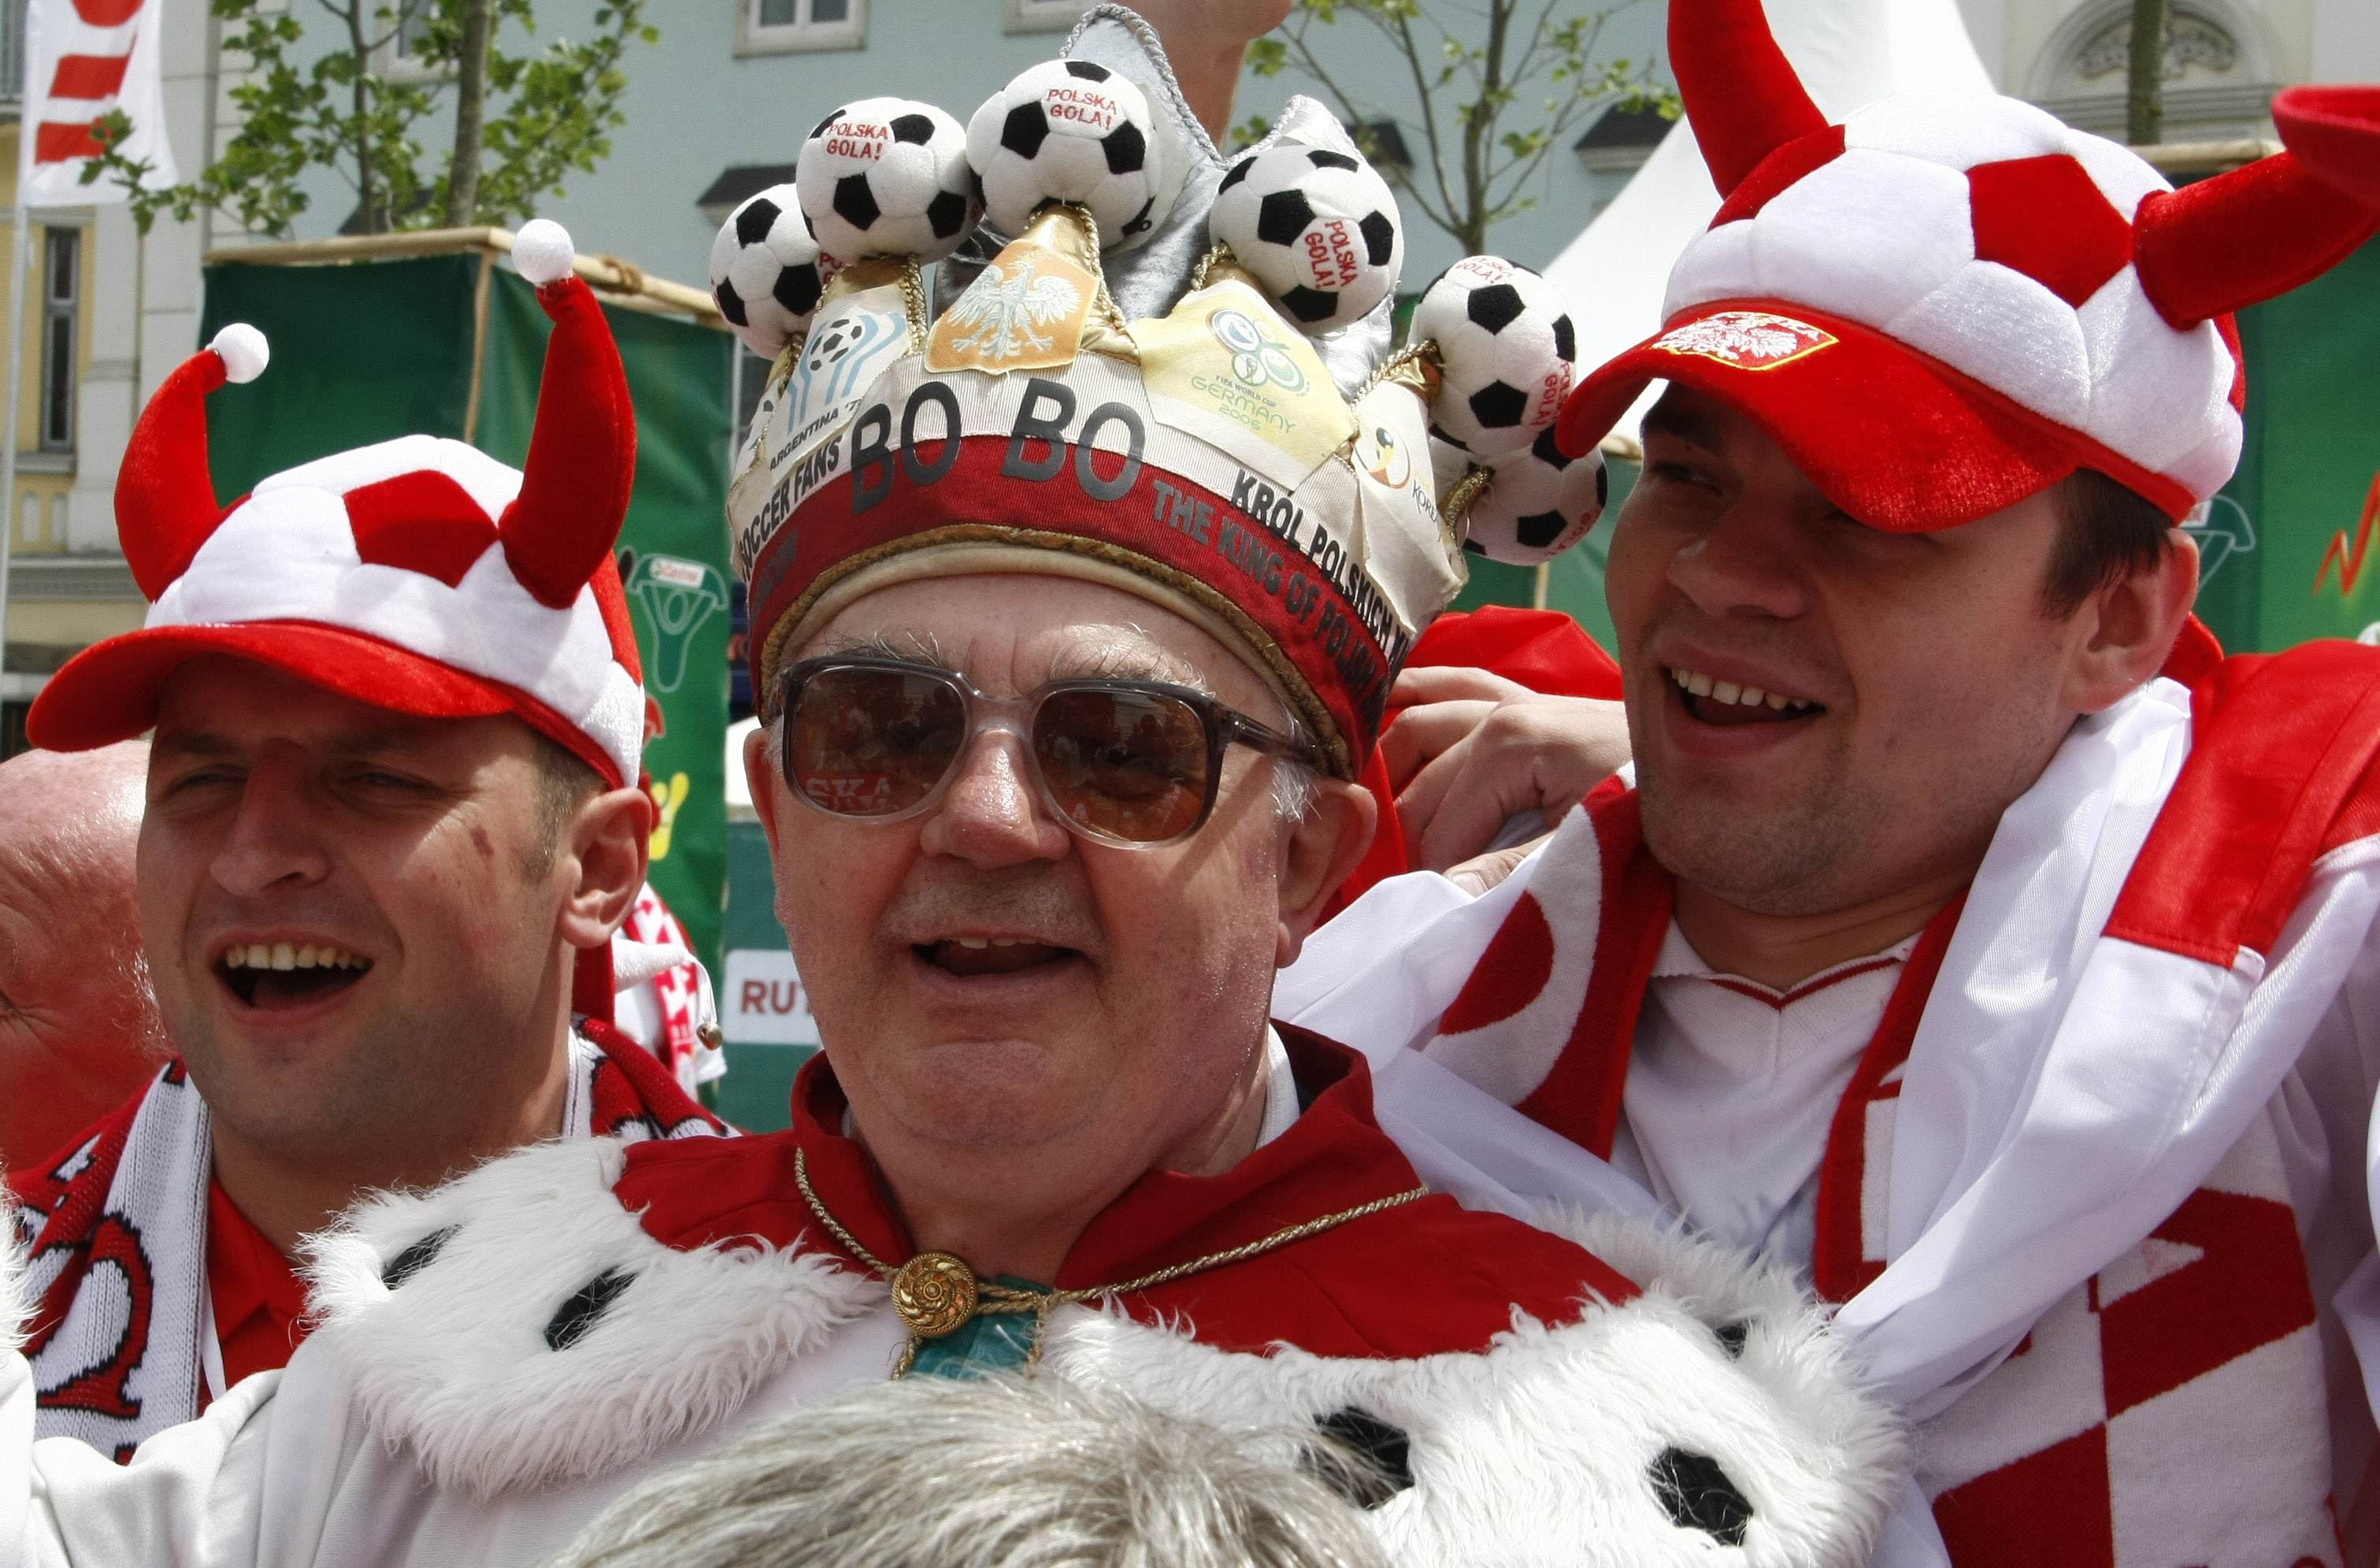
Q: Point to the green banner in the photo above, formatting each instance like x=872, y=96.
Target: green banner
x=677, y=579
x=2284, y=552
x=370, y=351
x=360, y=353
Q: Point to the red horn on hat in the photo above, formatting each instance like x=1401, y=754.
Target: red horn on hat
x=582, y=456
x=1742, y=95
x=165, y=503
x=2226, y=243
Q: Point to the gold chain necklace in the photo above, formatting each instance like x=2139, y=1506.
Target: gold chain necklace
x=937, y=1293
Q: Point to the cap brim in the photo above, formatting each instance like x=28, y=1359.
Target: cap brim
x=1898, y=440
x=2335, y=131
x=109, y=691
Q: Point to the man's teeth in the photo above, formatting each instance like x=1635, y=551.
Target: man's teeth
x=290, y=955
x=982, y=942
x=1700, y=685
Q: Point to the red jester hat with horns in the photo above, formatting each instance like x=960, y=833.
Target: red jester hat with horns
x=1947, y=303
x=419, y=574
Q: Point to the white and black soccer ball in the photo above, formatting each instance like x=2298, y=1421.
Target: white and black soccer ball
x=1538, y=503
x=767, y=272
x=1508, y=350
x=1316, y=226
x=1069, y=130
x=887, y=177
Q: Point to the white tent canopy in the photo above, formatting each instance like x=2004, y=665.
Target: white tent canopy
x=1850, y=53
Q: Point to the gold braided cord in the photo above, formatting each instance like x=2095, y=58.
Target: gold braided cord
x=999, y=1300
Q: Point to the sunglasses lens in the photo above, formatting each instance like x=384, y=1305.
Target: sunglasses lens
x=871, y=743
x=1128, y=765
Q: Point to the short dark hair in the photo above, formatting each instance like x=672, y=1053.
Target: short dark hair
x=2106, y=533
x=565, y=783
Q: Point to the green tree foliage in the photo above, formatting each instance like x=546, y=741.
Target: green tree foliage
x=324, y=89
x=1486, y=93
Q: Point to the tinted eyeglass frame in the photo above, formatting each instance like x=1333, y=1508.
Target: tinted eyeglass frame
x=1224, y=727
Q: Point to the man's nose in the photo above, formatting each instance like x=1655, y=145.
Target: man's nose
x=992, y=815
x=277, y=838
x=1747, y=561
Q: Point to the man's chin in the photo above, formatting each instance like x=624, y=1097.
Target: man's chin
x=980, y=1090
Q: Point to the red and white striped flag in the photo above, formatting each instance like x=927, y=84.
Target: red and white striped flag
x=84, y=58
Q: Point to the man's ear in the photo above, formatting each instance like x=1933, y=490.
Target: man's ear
x=2128, y=628
x=607, y=840
x=1323, y=848
x=759, y=777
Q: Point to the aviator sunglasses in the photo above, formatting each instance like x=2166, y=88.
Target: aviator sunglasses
x=1131, y=763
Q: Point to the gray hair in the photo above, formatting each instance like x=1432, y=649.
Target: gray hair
x=992, y=1473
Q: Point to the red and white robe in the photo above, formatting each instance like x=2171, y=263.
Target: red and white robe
x=2091, y=1194
x=499, y=1359
x=121, y=1337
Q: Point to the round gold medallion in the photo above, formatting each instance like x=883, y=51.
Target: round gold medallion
x=934, y=1292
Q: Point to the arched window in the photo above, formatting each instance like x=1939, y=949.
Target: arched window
x=2218, y=79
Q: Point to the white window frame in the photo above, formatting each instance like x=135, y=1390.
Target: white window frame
x=397, y=65
x=61, y=345
x=800, y=36
x=1042, y=16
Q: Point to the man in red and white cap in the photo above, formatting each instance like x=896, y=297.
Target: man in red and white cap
x=392, y=823
x=2024, y=996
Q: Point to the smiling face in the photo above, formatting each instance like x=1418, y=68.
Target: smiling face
x=986, y=982
x=354, y=943
x=1823, y=714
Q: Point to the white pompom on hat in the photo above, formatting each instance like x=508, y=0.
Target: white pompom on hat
x=243, y=351
x=542, y=252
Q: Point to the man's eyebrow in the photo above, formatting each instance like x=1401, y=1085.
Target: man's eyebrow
x=403, y=740
x=378, y=741
x=190, y=743
x=1666, y=418
x=1124, y=663
x=914, y=647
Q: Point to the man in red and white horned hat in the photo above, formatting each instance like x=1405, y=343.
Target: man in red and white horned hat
x=1074, y=630
x=391, y=814
x=1976, y=938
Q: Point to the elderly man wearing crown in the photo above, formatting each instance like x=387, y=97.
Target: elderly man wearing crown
x=392, y=822
x=1074, y=630
x=2024, y=996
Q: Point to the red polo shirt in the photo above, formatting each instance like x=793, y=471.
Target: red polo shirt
x=257, y=1298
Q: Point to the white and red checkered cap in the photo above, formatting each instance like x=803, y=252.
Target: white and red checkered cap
x=1948, y=302
x=418, y=574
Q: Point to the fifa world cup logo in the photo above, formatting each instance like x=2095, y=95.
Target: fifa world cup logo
x=677, y=596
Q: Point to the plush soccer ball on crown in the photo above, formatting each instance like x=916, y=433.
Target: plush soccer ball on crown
x=1069, y=130
x=1537, y=504
x=1316, y=226
x=887, y=177
x=1508, y=350
x=767, y=272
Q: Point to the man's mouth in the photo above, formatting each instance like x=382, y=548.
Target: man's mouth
x=974, y=957
x=275, y=975
x=1727, y=704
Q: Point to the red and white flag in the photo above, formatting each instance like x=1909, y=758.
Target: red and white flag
x=83, y=59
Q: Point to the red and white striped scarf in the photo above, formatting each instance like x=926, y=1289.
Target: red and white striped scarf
x=116, y=1236
x=2051, y=1201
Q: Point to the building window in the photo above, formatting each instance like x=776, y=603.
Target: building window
x=1043, y=16
x=402, y=59
x=12, y=51
x=61, y=296
x=781, y=26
